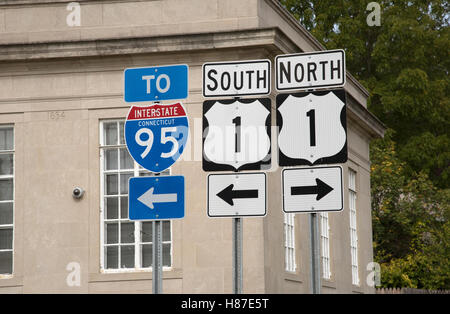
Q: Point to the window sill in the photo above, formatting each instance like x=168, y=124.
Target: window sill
x=357, y=289
x=132, y=275
x=289, y=276
x=328, y=283
x=10, y=281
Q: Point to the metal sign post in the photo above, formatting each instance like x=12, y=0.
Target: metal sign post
x=237, y=255
x=155, y=136
x=157, y=257
x=315, y=253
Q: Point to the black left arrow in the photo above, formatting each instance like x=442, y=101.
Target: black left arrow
x=228, y=194
x=321, y=189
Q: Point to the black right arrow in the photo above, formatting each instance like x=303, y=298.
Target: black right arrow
x=228, y=194
x=321, y=189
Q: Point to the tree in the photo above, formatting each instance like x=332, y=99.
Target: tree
x=404, y=63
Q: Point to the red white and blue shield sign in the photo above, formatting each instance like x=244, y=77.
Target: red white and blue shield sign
x=156, y=135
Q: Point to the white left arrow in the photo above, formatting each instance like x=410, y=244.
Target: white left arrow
x=148, y=198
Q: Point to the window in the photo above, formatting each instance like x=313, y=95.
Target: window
x=325, y=245
x=289, y=242
x=125, y=244
x=6, y=199
x=353, y=227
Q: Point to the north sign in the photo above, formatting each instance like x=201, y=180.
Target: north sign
x=310, y=70
x=156, y=135
x=312, y=128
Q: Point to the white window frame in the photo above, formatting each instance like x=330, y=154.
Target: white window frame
x=137, y=170
x=352, y=197
x=325, y=245
x=289, y=242
x=7, y=177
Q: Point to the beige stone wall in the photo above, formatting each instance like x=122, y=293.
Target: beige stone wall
x=56, y=104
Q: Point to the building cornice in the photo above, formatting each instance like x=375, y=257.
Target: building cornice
x=271, y=39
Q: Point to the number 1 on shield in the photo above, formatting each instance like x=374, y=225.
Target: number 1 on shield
x=312, y=127
x=237, y=126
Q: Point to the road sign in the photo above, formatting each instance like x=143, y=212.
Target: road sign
x=312, y=189
x=156, y=135
x=312, y=128
x=310, y=70
x=237, y=195
x=156, y=198
x=236, y=78
x=156, y=83
x=236, y=134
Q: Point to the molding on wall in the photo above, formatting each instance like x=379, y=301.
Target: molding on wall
x=272, y=39
x=14, y=3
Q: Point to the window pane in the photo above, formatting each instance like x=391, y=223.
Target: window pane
x=110, y=133
x=147, y=229
x=121, y=132
x=112, y=233
x=112, y=257
x=6, y=164
x=6, y=139
x=166, y=254
x=6, y=239
x=6, y=190
x=145, y=174
x=6, y=213
x=127, y=256
x=111, y=159
x=166, y=231
x=6, y=263
x=127, y=232
x=147, y=255
x=124, y=182
x=112, y=207
x=124, y=207
x=126, y=162
x=111, y=184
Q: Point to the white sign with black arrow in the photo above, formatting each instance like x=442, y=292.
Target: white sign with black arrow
x=312, y=189
x=236, y=195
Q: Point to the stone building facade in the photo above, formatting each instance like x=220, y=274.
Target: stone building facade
x=61, y=117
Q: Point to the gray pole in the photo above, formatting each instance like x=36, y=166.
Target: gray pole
x=237, y=255
x=157, y=257
x=315, y=253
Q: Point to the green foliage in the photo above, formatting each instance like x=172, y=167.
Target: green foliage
x=404, y=63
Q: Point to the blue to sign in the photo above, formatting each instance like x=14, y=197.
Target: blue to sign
x=156, y=198
x=156, y=135
x=156, y=83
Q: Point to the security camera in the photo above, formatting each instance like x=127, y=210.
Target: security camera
x=77, y=193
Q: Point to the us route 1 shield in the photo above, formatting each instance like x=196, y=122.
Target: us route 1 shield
x=236, y=134
x=312, y=128
x=156, y=135
x=312, y=189
x=237, y=195
x=156, y=198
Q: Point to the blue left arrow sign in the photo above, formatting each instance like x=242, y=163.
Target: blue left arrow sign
x=156, y=198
